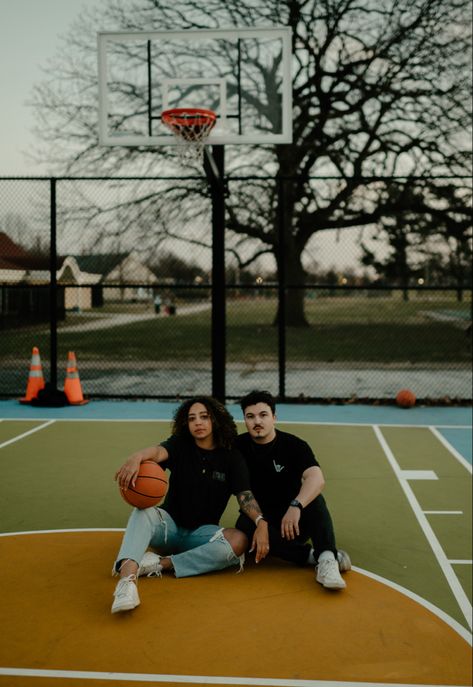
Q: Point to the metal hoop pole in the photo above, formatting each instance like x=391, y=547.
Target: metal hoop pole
x=214, y=168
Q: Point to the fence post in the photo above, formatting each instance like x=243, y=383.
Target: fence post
x=281, y=219
x=53, y=285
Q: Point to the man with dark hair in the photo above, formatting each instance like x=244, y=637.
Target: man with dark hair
x=205, y=470
x=287, y=482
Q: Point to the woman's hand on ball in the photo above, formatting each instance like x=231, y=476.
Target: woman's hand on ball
x=128, y=472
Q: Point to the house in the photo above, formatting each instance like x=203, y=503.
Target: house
x=21, y=272
x=87, y=281
x=80, y=286
x=18, y=265
x=105, y=278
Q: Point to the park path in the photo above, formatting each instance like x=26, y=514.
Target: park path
x=108, y=320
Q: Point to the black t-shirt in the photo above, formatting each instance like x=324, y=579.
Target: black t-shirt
x=276, y=469
x=201, y=481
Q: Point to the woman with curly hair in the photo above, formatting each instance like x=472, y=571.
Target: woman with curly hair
x=223, y=426
x=205, y=470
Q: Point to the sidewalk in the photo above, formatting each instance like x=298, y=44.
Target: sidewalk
x=108, y=320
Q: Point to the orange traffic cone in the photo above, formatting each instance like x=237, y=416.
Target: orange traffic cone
x=72, y=385
x=35, y=378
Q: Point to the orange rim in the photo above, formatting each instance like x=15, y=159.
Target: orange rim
x=188, y=117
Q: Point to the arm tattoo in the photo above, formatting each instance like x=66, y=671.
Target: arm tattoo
x=248, y=504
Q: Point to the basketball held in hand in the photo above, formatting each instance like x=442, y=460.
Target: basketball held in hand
x=150, y=486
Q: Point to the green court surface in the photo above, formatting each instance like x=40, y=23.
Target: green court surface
x=399, y=494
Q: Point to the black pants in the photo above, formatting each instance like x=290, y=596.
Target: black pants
x=315, y=525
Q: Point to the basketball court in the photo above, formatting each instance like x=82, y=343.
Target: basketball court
x=399, y=492
x=398, y=481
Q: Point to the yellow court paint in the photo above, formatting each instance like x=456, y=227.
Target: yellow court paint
x=271, y=622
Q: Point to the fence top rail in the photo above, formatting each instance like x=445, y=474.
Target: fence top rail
x=231, y=177
x=268, y=286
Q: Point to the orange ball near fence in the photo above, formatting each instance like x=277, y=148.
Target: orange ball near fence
x=406, y=398
x=150, y=486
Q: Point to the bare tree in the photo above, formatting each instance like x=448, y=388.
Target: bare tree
x=431, y=225
x=381, y=89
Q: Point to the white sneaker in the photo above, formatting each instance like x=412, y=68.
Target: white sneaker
x=150, y=565
x=344, y=562
x=328, y=574
x=126, y=595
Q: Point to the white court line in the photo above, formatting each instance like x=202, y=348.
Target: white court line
x=88, y=419
x=455, y=586
x=202, y=679
x=448, y=620
x=419, y=474
x=77, y=529
x=452, y=426
x=450, y=448
x=322, y=423
x=459, y=561
x=443, y=512
x=25, y=434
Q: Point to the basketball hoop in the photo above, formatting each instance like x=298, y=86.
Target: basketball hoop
x=191, y=126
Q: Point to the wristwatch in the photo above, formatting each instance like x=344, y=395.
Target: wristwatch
x=296, y=504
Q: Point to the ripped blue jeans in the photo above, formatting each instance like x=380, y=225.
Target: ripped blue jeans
x=193, y=552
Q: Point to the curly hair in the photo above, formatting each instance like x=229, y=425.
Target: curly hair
x=223, y=425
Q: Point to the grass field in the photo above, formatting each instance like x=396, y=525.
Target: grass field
x=341, y=329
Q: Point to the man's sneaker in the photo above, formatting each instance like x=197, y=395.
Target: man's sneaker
x=328, y=574
x=150, y=565
x=344, y=562
x=126, y=595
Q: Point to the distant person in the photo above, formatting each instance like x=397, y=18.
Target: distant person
x=205, y=470
x=287, y=482
x=171, y=307
x=157, y=304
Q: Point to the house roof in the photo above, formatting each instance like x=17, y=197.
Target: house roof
x=15, y=257
x=7, y=264
x=10, y=249
x=99, y=264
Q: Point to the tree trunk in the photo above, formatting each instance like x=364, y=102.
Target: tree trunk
x=295, y=316
x=292, y=274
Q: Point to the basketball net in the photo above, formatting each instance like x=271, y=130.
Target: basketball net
x=191, y=126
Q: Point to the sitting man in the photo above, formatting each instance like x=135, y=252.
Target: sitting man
x=287, y=482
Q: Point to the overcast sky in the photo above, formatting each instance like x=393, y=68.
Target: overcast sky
x=29, y=35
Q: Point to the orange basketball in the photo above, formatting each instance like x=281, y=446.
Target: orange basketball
x=150, y=486
x=406, y=398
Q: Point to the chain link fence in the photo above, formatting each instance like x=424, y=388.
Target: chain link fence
x=120, y=270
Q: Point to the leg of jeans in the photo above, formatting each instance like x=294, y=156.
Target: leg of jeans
x=166, y=535
x=316, y=523
x=215, y=554
x=149, y=526
x=292, y=551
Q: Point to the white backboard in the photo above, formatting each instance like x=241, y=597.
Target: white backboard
x=244, y=75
